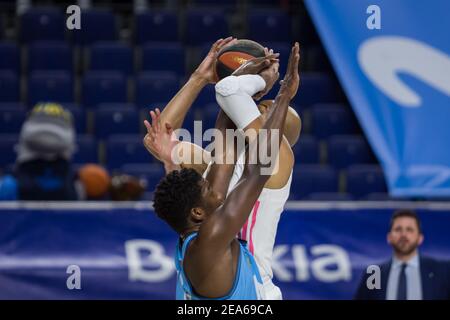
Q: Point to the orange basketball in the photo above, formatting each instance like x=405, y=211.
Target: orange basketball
x=232, y=57
x=95, y=179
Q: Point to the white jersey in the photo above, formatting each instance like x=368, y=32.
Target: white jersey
x=261, y=227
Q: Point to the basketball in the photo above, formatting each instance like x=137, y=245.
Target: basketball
x=232, y=57
x=95, y=179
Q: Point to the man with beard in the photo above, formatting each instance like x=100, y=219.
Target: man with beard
x=408, y=275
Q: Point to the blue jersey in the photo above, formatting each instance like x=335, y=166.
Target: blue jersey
x=247, y=282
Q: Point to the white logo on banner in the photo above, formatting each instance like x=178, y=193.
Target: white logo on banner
x=147, y=261
x=383, y=58
x=329, y=263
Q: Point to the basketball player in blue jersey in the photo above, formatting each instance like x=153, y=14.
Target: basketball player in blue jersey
x=211, y=262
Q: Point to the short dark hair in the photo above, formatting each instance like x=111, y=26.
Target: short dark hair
x=175, y=195
x=405, y=213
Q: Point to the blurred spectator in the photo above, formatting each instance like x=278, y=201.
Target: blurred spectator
x=408, y=275
x=42, y=169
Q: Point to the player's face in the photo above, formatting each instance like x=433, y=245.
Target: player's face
x=404, y=236
x=211, y=200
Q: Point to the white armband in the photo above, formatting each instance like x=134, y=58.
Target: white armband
x=234, y=96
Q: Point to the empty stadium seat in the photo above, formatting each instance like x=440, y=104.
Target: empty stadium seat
x=102, y=87
x=306, y=150
x=315, y=88
x=7, y=149
x=151, y=173
x=330, y=119
x=156, y=26
x=46, y=23
x=11, y=120
x=205, y=25
x=346, y=150
x=9, y=86
x=111, y=56
x=310, y=178
x=155, y=87
x=110, y=121
x=163, y=57
x=79, y=117
x=123, y=149
x=51, y=86
x=97, y=25
x=50, y=55
x=269, y=25
x=10, y=54
x=86, y=150
x=365, y=179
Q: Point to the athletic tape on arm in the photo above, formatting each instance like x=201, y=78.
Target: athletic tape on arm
x=234, y=96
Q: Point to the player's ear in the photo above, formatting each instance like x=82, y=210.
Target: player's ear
x=197, y=214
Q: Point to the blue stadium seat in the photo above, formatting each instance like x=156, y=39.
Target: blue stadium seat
x=102, y=87
x=51, y=86
x=306, y=150
x=365, y=179
x=9, y=86
x=316, y=88
x=329, y=196
x=330, y=119
x=269, y=25
x=11, y=119
x=110, y=121
x=7, y=149
x=205, y=25
x=10, y=57
x=156, y=26
x=46, y=23
x=155, y=87
x=87, y=150
x=163, y=57
x=310, y=178
x=97, y=25
x=346, y=150
x=151, y=173
x=123, y=149
x=79, y=117
x=50, y=55
x=111, y=56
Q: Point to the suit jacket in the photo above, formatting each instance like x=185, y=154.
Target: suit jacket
x=434, y=275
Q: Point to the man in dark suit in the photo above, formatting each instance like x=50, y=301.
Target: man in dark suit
x=408, y=275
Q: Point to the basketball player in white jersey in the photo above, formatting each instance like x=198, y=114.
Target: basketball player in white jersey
x=260, y=229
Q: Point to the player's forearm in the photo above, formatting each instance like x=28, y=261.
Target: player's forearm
x=224, y=158
x=175, y=111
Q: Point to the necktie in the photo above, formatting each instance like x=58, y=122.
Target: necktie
x=401, y=290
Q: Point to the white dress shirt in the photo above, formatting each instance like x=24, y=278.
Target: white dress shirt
x=413, y=279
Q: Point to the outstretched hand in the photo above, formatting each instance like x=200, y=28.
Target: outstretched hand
x=206, y=69
x=291, y=79
x=256, y=65
x=160, y=141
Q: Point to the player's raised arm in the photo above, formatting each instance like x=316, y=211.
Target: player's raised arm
x=221, y=228
x=175, y=111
